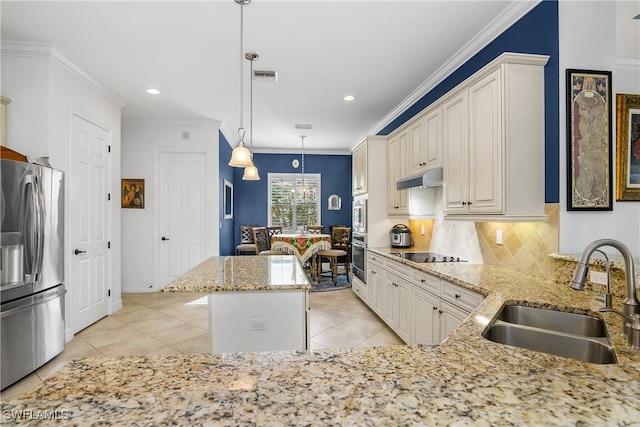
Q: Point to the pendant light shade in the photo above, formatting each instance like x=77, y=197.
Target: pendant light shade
x=251, y=173
x=240, y=156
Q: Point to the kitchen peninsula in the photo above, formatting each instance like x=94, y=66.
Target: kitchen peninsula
x=256, y=303
x=466, y=380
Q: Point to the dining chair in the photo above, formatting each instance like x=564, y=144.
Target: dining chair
x=340, y=241
x=247, y=243
x=315, y=229
x=261, y=239
x=273, y=230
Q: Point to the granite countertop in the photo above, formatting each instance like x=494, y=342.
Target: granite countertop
x=242, y=273
x=617, y=261
x=466, y=380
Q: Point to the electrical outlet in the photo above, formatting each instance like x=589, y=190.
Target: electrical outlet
x=598, y=277
x=258, y=324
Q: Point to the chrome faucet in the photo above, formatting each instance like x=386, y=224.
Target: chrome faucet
x=630, y=305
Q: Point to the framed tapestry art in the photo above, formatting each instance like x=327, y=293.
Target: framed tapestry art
x=133, y=193
x=628, y=147
x=589, y=176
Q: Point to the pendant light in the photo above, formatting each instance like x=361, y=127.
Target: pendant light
x=241, y=156
x=251, y=172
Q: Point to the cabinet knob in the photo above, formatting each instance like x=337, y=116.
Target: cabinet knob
x=440, y=311
x=435, y=308
x=457, y=296
x=422, y=280
x=464, y=203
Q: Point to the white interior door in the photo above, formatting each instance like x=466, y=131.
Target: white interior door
x=182, y=211
x=88, y=221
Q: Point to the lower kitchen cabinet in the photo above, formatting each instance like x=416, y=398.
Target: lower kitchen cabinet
x=419, y=307
x=426, y=317
x=450, y=317
x=376, y=297
x=398, y=308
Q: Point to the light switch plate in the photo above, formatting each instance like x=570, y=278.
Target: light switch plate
x=498, y=237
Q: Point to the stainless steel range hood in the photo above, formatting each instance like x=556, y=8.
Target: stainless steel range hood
x=431, y=178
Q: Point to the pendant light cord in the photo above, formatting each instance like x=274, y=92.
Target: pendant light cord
x=241, y=128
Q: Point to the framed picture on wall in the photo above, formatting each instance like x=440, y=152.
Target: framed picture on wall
x=628, y=147
x=133, y=193
x=589, y=174
x=228, y=200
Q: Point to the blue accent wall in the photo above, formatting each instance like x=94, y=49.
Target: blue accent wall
x=536, y=33
x=251, y=197
x=227, y=238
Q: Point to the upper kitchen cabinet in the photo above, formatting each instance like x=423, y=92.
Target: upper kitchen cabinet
x=494, y=142
x=425, y=142
x=397, y=200
x=359, y=169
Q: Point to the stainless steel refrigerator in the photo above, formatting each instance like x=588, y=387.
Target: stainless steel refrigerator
x=31, y=267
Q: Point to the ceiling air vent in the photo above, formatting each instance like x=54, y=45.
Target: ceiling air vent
x=306, y=127
x=269, y=76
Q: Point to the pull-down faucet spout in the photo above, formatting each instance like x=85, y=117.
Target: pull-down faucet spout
x=630, y=305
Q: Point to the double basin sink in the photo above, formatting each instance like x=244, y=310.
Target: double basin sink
x=574, y=335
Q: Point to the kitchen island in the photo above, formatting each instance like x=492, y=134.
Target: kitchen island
x=256, y=303
x=466, y=380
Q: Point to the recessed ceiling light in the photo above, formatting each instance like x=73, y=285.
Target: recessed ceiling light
x=153, y=91
x=349, y=98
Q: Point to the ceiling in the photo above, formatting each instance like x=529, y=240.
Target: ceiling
x=382, y=52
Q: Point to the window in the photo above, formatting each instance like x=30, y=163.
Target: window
x=289, y=206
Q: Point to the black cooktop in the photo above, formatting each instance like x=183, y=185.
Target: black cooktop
x=427, y=257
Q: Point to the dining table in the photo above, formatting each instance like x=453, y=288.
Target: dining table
x=303, y=245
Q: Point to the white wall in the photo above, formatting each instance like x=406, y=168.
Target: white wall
x=46, y=90
x=582, y=47
x=141, y=143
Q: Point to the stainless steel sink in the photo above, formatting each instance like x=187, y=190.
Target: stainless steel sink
x=574, y=335
x=555, y=320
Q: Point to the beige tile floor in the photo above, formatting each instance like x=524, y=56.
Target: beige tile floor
x=158, y=323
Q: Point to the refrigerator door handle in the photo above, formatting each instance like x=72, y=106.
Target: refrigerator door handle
x=36, y=225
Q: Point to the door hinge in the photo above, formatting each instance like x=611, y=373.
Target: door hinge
x=108, y=148
x=108, y=245
x=108, y=292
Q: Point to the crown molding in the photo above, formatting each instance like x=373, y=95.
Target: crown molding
x=628, y=62
x=502, y=22
x=51, y=52
x=229, y=134
x=306, y=151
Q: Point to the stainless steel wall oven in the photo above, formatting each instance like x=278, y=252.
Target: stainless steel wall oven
x=358, y=255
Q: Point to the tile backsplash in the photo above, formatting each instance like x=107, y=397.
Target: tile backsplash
x=526, y=246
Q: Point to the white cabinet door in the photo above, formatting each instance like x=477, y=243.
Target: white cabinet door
x=426, y=318
x=404, y=310
x=376, y=289
x=451, y=317
x=359, y=176
x=456, y=170
x=433, y=138
x=397, y=312
x=391, y=304
x=486, y=146
x=397, y=201
x=417, y=150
